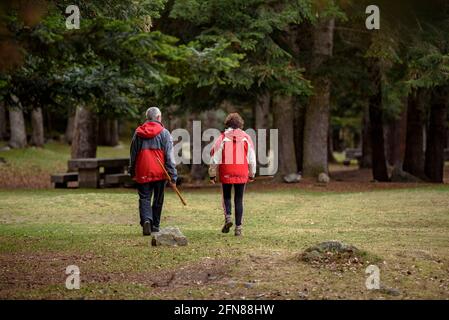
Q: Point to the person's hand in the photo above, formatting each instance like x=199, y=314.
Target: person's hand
x=131, y=172
x=172, y=183
x=213, y=180
x=251, y=179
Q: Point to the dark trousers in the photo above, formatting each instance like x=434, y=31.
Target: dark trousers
x=147, y=210
x=239, y=189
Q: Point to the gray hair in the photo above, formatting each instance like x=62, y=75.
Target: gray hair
x=152, y=113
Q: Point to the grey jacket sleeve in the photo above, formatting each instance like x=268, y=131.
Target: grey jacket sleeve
x=170, y=164
x=136, y=145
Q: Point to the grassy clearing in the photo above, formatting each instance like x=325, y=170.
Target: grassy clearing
x=41, y=232
x=31, y=167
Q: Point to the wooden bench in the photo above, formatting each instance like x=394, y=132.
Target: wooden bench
x=352, y=154
x=61, y=179
x=121, y=179
x=89, y=169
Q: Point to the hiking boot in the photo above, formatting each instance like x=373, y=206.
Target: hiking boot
x=155, y=229
x=238, y=231
x=146, y=228
x=227, y=226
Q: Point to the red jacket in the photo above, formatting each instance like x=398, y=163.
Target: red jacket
x=234, y=157
x=151, y=141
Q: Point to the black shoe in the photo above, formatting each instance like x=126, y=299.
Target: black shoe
x=226, y=227
x=154, y=229
x=147, y=228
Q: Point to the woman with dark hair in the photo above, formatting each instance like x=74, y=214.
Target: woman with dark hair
x=234, y=157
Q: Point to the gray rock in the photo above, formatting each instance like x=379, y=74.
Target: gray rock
x=323, y=178
x=5, y=148
x=170, y=236
x=320, y=251
x=292, y=178
x=333, y=246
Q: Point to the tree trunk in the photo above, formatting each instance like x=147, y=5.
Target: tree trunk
x=84, y=144
x=299, y=135
x=414, y=145
x=3, y=127
x=108, y=132
x=380, y=172
x=316, y=127
x=283, y=121
x=262, y=111
x=403, y=133
x=367, y=151
x=114, y=132
x=447, y=138
x=18, y=130
x=436, y=135
x=37, y=124
x=70, y=129
x=395, y=134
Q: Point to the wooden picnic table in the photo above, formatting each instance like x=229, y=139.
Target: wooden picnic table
x=89, y=169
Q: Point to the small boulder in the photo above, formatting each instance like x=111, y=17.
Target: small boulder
x=333, y=246
x=323, y=178
x=170, y=236
x=292, y=178
x=334, y=255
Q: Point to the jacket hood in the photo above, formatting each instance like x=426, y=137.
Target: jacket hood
x=237, y=135
x=149, y=129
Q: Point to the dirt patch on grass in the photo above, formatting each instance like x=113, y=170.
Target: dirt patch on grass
x=29, y=271
x=268, y=275
x=206, y=271
x=190, y=275
x=33, y=270
x=32, y=178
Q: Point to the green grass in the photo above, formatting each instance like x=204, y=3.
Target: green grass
x=41, y=232
x=55, y=154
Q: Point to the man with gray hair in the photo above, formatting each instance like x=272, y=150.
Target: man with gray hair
x=151, y=142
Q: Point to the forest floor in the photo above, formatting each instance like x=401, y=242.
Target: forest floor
x=404, y=228
x=31, y=168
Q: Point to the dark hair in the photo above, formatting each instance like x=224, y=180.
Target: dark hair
x=234, y=121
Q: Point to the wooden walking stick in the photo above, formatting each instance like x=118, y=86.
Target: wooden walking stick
x=171, y=184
